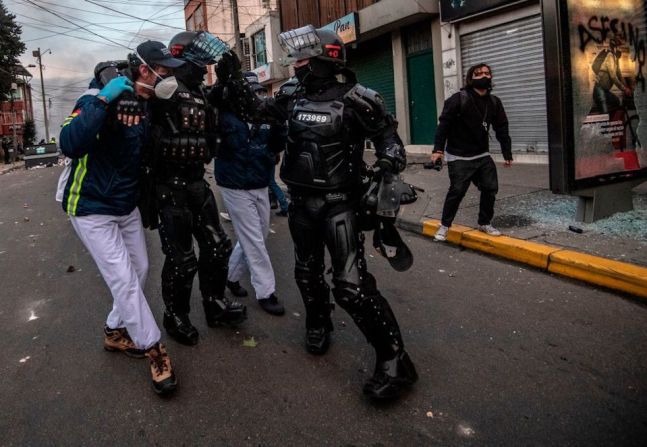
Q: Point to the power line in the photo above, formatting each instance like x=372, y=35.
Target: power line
x=130, y=15
x=121, y=31
x=69, y=21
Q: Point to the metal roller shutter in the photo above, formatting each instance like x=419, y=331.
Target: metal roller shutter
x=372, y=62
x=516, y=54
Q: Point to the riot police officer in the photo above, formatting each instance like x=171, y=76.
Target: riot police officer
x=183, y=140
x=322, y=166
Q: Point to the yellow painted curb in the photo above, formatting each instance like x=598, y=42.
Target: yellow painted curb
x=530, y=253
x=604, y=272
x=454, y=235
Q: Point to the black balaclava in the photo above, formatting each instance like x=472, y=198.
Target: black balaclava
x=191, y=74
x=317, y=74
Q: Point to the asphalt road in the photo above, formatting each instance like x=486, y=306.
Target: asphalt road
x=507, y=355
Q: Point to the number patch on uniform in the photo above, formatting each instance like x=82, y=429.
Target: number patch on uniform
x=308, y=117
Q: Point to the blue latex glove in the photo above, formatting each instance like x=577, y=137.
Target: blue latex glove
x=116, y=87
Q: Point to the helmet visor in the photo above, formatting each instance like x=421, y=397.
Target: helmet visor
x=300, y=43
x=205, y=49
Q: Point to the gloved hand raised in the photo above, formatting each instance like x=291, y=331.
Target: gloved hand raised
x=116, y=87
x=229, y=67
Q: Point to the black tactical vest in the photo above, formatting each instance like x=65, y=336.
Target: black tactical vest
x=188, y=128
x=320, y=153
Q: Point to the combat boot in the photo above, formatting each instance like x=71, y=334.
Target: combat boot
x=318, y=337
x=179, y=327
x=118, y=340
x=164, y=381
x=391, y=377
x=221, y=311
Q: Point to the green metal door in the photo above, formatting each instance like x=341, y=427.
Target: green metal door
x=422, y=97
x=372, y=62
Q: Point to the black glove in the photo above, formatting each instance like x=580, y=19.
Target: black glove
x=229, y=67
x=130, y=110
x=392, y=159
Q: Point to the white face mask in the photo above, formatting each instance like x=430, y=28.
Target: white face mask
x=164, y=88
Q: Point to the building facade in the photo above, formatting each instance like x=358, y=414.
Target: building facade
x=414, y=52
x=394, y=49
x=507, y=35
x=16, y=110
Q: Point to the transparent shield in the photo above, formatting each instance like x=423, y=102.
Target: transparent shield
x=300, y=43
x=205, y=49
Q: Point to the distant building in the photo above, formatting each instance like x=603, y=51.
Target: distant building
x=15, y=111
x=217, y=18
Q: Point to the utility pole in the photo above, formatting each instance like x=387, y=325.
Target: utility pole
x=37, y=53
x=238, y=43
x=14, y=87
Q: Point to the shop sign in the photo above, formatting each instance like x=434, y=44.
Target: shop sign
x=346, y=27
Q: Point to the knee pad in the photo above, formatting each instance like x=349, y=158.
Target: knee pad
x=182, y=267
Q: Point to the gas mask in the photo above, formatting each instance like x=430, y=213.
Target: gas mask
x=164, y=88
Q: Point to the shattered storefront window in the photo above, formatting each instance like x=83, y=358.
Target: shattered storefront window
x=607, y=48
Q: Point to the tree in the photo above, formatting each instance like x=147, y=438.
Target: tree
x=10, y=48
x=28, y=133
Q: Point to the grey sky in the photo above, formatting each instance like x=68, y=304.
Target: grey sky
x=68, y=69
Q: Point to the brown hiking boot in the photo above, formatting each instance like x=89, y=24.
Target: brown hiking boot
x=118, y=340
x=164, y=381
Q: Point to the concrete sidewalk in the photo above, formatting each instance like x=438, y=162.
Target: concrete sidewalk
x=11, y=167
x=611, y=252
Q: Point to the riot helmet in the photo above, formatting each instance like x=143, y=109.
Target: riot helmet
x=322, y=47
x=201, y=48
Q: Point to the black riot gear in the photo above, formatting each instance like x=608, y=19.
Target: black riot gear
x=326, y=176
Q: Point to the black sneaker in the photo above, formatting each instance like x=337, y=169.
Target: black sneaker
x=282, y=213
x=271, y=305
x=236, y=289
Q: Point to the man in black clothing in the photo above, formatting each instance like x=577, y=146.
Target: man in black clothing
x=462, y=140
x=328, y=121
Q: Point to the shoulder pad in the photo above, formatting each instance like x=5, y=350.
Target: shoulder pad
x=368, y=104
x=367, y=99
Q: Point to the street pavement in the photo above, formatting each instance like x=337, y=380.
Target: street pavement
x=507, y=355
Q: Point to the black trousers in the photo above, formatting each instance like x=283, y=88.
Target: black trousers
x=316, y=225
x=481, y=172
x=187, y=211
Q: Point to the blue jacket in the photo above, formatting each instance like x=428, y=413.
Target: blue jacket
x=246, y=153
x=105, y=157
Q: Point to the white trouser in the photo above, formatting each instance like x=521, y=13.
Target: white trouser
x=250, y=215
x=118, y=247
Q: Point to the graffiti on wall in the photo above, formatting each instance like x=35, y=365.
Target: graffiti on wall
x=607, y=46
